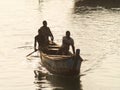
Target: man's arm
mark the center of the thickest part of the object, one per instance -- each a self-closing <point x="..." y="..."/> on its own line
<point x="50" y="34"/>
<point x="35" y="43"/>
<point x="73" y="48"/>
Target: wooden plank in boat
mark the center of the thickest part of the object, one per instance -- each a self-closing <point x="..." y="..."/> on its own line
<point x="50" y="49"/>
<point x="53" y="46"/>
<point x="57" y="57"/>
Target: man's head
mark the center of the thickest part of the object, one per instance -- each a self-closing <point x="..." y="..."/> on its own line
<point x="68" y="34"/>
<point x="44" y="23"/>
<point x="77" y="51"/>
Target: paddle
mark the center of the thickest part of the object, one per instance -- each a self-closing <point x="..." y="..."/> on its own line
<point x="30" y="53"/>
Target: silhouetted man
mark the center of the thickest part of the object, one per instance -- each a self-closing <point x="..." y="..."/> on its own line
<point x="43" y="37"/>
<point x="67" y="41"/>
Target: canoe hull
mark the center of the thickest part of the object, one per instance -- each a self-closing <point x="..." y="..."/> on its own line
<point x="63" y="66"/>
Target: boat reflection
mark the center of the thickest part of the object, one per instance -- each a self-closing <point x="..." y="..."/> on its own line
<point x="66" y="83"/>
<point x="59" y="83"/>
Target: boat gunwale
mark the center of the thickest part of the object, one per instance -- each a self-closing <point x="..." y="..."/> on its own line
<point x="57" y="57"/>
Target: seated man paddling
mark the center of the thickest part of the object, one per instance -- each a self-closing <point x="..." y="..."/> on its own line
<point x="43" y="38"/>
<point x="67" y="41"/>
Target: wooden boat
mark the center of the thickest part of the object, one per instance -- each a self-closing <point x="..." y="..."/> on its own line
<point x="65" y="65"/>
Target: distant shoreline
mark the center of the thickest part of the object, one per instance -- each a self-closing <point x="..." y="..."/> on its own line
<point x="95" y="3"/>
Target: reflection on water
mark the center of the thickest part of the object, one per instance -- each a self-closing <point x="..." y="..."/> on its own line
<point x="86" y="10"/>
<point x="88" y="6"/>
<point x="59" y="83"/>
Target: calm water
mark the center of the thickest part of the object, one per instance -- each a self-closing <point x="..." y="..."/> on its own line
<point x="96" y="32"/>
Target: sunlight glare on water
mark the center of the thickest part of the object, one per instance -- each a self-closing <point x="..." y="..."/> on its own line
<point x="95" y="31"/>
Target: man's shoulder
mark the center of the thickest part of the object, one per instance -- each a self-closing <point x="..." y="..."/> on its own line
<point x="36" y="36"/>
<point x="48" y="28"/>
<point x="43" y="28"/>
<point x="40" y="28"/>
<point x="64" y="36"/>
<point x="71" y="38"/>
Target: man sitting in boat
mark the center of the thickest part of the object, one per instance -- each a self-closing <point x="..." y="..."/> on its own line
<point x="43" y="37"/>
<point x="67" y="41"/>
